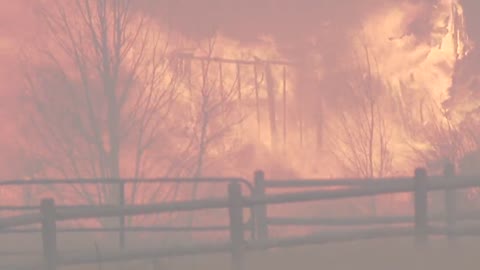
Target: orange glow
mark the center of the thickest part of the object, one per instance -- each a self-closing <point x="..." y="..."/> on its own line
<point x="314" y="94"/>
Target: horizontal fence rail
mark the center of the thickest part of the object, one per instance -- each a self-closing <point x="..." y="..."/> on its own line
<point x="346" y="182"/>
<point x="247" y="226"/>
<point x="291" y="197"/>
<point x="364" y="221"/>
<point x="122" y="198"/>
<point x="218" y="180"/>
<point x="422" y="224"/>
<point x="22" y="220"/>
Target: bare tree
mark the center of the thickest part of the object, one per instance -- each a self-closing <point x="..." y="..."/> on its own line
<point x="361" y="135"/>
<point x="363" y="145"/>
<point x="100" y="88"/>
<point x="445" y="140"/>
<point x="433" y="133"/>
<point x="440" y="140"/>
<point x="213" y="111"/>
<point x="207" y="113"/>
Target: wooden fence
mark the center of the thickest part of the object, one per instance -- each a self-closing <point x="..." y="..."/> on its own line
<point x="122" y="228"/>
<point x="420" y="185"/>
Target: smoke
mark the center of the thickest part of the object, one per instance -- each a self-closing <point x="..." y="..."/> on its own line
<point x="472" y="20"/>
<point x="406" y="39"/>
<point x="286" y="21"/>
<point x="248" y="21"/>
<point x="466" y="69"/>
<point x="301" y="28"/>
<point x="320" y="33"/>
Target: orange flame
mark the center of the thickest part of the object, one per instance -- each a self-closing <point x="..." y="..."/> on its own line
<point x="296" y="100"/>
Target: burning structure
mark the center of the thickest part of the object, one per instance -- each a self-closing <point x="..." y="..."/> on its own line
<point x="189" y="88"/>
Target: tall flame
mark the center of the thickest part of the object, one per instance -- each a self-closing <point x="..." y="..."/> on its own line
<point x="296" y="95"/>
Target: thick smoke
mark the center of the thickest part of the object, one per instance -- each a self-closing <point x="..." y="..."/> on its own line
<point x="298" y="28"/>
<point x="287" y="21"/>
<point x="329" y="29"/>
<point x="464" y="99"/>
<point x="471" y="9"/>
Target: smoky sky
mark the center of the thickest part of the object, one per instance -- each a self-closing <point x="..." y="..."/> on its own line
<point x="471" y="9"/>
<point x="247" y="20"/>
<point x="289" y="22"/>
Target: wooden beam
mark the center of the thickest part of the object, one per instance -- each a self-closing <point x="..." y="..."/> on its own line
<point x="235" y="61"/>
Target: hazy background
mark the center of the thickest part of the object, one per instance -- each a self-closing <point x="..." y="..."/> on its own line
<point x="365" y="89"/>
<point x="378" y="88"/>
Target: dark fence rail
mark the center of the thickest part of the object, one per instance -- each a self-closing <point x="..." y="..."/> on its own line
<point x="420" y="185"/>
<point x="87" y="181"/>
<point x="121" y="200"/>
<point x="365" y="221"/>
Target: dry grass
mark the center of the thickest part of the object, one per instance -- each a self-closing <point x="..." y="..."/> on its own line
<point x="371" y="255"/>
<point x="382" y="255"/>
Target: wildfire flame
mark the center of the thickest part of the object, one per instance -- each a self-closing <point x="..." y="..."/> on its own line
<point x="316" y="104"/>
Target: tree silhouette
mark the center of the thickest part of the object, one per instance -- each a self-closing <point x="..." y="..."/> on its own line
<point x="100" y="89"/>
<point x="362" y="134"/>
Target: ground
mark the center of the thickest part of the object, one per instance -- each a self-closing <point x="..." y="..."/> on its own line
<point x="382" y="255"/>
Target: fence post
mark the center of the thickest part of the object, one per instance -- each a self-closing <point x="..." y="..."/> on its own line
<point x="121" y="235"/>
<point x="260" y="210"/>
<point x="450" y="203"/>
<point x="421" y="207"/>
<point x="236" y="225"/>
<point x="49" y="233"/>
